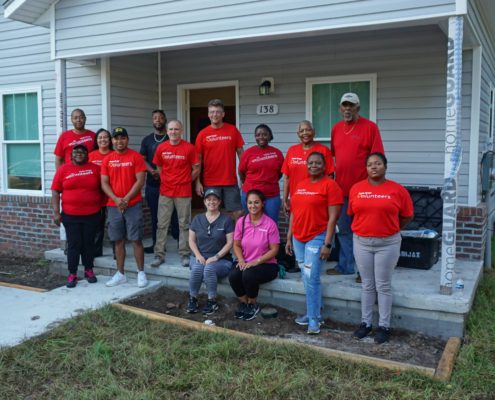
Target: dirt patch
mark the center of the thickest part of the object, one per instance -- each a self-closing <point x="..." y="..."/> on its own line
<point x="404" y="346"/>
<point x="29" y="272"/>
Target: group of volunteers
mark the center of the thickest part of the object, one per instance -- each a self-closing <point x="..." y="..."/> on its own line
<point x="338" y="192"/>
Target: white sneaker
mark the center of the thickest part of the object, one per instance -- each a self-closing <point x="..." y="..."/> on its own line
<point x="141" y="279"/>
<point x="117" y="279"/>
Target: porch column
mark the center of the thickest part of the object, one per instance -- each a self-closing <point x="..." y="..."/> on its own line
<point x="60" y="110"/>
<point x="453" y="153"/>
<point x="60" y="97"/>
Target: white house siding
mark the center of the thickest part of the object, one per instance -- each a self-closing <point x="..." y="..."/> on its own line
<point x="134" y="94"/>
<point x="107" y="27"/>
<point x="410" y="65"/>
<point x="25" y="63"/>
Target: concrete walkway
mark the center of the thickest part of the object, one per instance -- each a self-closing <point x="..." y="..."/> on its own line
<point x="25" y="314"/>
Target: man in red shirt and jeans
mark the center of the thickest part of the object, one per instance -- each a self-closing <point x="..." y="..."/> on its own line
<point x="122" y="178"/>
<point x="352" y="140"/>
<point x="217" y="146"/>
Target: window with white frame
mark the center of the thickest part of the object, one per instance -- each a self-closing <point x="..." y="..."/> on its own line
<point x="323" y="96"/>
<point x="20" y="138"/>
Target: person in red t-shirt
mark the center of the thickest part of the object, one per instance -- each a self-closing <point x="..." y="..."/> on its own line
<point x="102" y="148"/>
<point x="78" y="182"/>
<point x="315" y="207"/>
<point x="217" y="146"/>
<point x="260" y="168"/>
<point x="294" y="167"/>
<point x="381" y="208"/>
<point x="352" y="140"/>
<point x="77" y="135"/>
<point x="178" y="164"/>
<point x="122" y="178"/>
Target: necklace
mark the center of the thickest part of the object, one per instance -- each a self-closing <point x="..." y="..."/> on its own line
<point x="350" y="130"/>
<point x="161" y="140"/>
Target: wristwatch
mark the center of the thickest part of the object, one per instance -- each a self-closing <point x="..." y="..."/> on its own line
<point x="328" y="245"/>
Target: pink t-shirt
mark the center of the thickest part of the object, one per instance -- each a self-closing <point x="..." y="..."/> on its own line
<point x="256" y="239"/>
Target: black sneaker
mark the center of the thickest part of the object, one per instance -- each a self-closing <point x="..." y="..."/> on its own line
<point x="239" y="314"/>
<point x="251" y="312"/>
<point x="362" y="331"/>
<point x="382" y="335"/>
<point x="211" y="307"/>
<point x="71" y="281"/>
<point x="192" y="306"/>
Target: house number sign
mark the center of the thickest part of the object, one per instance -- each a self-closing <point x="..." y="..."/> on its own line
<point x="267" y="109"/>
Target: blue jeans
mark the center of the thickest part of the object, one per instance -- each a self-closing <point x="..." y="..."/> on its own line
<point x="272" y="206"/>
<point x="308" y="258"/>
<point x="346" y="264"/>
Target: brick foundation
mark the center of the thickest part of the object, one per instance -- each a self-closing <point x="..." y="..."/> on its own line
<point x="471" y="232"/>
<point x="27" y="228"/>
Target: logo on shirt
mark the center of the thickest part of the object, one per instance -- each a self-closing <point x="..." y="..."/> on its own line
<point x="216" y="138"/>
<point x="118" y="164"/>
<point x="298" y="161"/>
<point x="168" y="155"/>
<point x="82" y="140"/>
<point x="304" y="192"/>
<point x="84" y="172"/>
<point x="265" y="157"/>
<point x="370" y="195"/>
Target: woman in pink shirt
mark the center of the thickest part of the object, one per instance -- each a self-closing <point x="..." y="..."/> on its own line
<point x="256" y="243"/>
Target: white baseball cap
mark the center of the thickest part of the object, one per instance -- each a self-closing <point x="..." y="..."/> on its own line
<point x="351" y="98"/>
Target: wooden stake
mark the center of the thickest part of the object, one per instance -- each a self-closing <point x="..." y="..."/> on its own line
<point x="392" y="365"/>
<point x="449" y="355"/>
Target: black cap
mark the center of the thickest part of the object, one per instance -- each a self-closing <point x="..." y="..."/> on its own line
<point x="119" y="131"/>
<point x="214" y="192"/>
<point x="80" y="146"/>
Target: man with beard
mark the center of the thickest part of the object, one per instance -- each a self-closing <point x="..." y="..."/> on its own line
<point x="152" y="189"/>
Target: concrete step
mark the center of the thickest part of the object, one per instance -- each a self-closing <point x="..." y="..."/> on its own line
<point x="417" y="302"/>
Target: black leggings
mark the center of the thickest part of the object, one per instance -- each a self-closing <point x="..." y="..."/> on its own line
<point x="248" y="282"/>
<point x="80" y="231"/>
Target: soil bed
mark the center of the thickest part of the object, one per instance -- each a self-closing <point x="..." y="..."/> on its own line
<point x="404" y="346"/>
<point x="29" y="272"/>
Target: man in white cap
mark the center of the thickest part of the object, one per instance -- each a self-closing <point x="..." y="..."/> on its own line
<point x="352" y="140"/>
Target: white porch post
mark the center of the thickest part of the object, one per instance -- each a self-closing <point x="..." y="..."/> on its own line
<point x="453" y="153"/>
<point x="60" y="96"/>
<point x="60" y="109"/>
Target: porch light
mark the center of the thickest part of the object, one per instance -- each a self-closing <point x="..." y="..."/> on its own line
<point x="266" y="87"/>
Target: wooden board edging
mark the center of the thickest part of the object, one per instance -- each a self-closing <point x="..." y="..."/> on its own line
<point x="447" y="361"/>
<point x="392" y="365"/>
<point x="16" y="286"/>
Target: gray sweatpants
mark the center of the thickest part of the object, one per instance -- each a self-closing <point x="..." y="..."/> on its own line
<point x="209" y="274"/>
<point x="376" y="259"/>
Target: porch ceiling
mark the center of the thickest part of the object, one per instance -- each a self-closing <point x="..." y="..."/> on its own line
<point x="27" y="10"/>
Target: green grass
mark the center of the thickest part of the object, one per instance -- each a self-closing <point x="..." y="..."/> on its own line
<point x="112" y="354"/>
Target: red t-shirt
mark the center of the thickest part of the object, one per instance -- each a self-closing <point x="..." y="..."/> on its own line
<point x="176" y="162"/>
<point x="80" y="187"/>
<point x="121" y="168"/>
<point x="376" y="209"/>
<point x="351" y="144"/>
<point x="70" y="139"/>
<point x="295" y="163"/>
<point x="309" y="206"/>
<point x="97" y="158"/>
<point x="218" y="150"/>
<point x="262" y="168"/>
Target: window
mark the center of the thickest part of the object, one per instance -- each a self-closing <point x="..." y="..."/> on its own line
<point x="20" y="138"/>
<point x="491" y="113"/>
<point x="323" y="99"/>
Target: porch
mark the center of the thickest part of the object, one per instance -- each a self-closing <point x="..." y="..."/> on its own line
<point x="417" y="302"/>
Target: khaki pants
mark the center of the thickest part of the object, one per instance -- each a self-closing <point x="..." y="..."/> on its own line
<point x="165" y="208"/>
